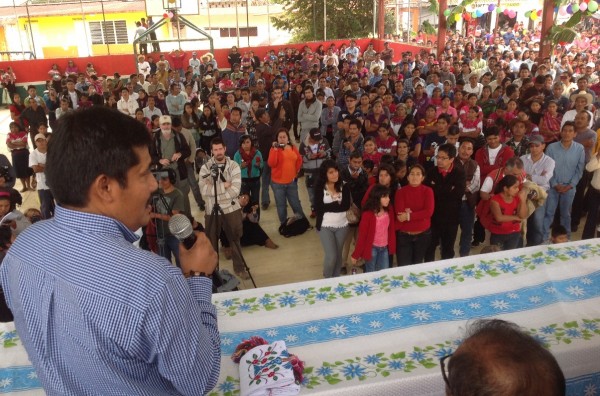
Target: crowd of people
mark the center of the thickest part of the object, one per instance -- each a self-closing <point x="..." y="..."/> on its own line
<point x="485" y="136"/>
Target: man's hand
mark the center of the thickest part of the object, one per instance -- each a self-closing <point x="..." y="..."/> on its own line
<point x="164" y="162"/>
<point x="227" y="185"/>
<point x="175" y="157"/>
<point x="201" y="257"/>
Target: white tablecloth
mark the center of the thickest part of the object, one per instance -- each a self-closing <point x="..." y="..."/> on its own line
<point x="383" y="333"/>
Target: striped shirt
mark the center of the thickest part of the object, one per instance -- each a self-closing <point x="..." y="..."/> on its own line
<point x="98" y="316"/>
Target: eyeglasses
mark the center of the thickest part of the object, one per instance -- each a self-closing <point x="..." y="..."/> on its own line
<point x="445" y="373"/>
<point x="442" y="158"/>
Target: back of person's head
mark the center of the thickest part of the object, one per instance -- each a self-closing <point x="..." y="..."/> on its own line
<point x="90" y="143"/>
<point x="497" y="358"/>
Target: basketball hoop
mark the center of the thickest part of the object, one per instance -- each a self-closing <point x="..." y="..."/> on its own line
<point x="171" y="5"/>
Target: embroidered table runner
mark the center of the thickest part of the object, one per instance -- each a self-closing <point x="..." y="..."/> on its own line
<point x="383" y="333"/>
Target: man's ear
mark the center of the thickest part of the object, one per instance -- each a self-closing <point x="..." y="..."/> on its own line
<point x="103" y="189"/>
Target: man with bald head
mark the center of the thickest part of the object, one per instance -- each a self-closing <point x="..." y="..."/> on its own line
<point x="498" y="358"/>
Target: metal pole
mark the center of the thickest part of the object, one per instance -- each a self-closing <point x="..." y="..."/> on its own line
<point x="374" y="18"/>
<point x="208" y="13"/>
<point x="104" y="24"/>
<point x="420" y="14"/>
<point x="324" y="20"/>
<point x="18" y="31"/>
<point x="87" y="41"/>
<point x="397" y="18"/>
<point x="32" y="47"/>
<point x="409" y="21"/>
<point x="248" y="22"/>
<point x="268" y="22"/>
<point x="314" y="10"/>
<point x="237" y="25"/>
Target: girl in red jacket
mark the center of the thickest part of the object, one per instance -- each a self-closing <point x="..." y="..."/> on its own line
<point x="376" y="231"/>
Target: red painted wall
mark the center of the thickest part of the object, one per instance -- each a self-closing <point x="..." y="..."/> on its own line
<point x="36" y="70"/>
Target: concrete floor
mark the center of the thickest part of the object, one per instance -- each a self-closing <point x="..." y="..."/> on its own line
<point x="297" y="259"/>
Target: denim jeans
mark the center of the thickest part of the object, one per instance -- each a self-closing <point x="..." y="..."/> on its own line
<point x="466" y="219"/>
<point x="169" y="245"/>
<point x="265" y="181"/>
<point x="193" y="183"/>
<point x="506" y="241"/>
<point x="380" y="259"/>
<point x="410" y="249"/>
<point x="332" y="240"/>
<point x="535" y="226"/>
<point x="285" y="193"/>
<point x="564" y="201"/>
<point x="46" y="203"/>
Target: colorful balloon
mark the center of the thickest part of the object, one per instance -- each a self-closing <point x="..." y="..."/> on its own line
<point x="527" y="14"/>
<point x="583" y="6"/>
<point x="491" y="7"/>
<point x="499" y="10"/>
<point x="512" y="14"/>
<point x="457" y="17"/>
<point x="575" y="7"/>
<point x="446" y="13"/>
<point x="533" y="16"/>
<point x="593" y="6"/>
<point x="562" y="10"/>
<point x="165" y="15"/>
<point x="570" y="9"/>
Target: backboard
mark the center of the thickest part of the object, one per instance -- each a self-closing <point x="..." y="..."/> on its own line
<point x="157" y="8"/>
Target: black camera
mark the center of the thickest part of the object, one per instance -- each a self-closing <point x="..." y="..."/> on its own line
<point x="215" y="170"/>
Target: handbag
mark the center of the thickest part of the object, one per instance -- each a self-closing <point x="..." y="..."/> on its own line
<point x="353" y="213"/>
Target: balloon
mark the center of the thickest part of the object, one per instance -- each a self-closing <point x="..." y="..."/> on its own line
<point x="583" y="6"/>
<point x="457" y="17"/>
<point x="165" y="15"/>
<point x="575" y="7"/>
<point x="506" y="11"/>
<point x="533" y="16"/>
<point x="562" y="10"/>
<point x="593" y="6"/>
<point x="512" y="14"/>
<point x="491" y="7"/>
<point x="170" y="14"/>
<point x="446" y="13"/>
<point x="478" y="14"/>
<point x="570" y="9"/>
<point x="527" y="14"/>
<point x="539" y="13"/>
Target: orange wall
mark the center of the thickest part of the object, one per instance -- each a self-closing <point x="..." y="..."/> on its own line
<point x="37" y="69"/>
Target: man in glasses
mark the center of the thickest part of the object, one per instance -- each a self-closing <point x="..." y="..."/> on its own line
<point x="498" y="358"/>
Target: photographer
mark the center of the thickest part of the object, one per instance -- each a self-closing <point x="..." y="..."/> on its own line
<point x="170" y="201"/>
<point x="227" y="175"/>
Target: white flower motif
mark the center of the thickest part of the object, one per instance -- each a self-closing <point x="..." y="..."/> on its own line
<point x="420" y="314"/>
<point x="355" y="319"/>
<point x="513" y="296"/>
<point x="226" y="341"/>
<point x="435" y="306"/>
<point x="338" y="329"/>
<point x="575" y="291"/>
<point x="312" y="329"/>
<point x="291" y="338"/>
<point x="550" y="290"/>
<point x="395" y="315"/>
<point x="32" y="375"/>
<point x="457" y="312"/>
<point x="586" y="281"/>
<point x="375" y="324"/>
<point x="590" y="390"/>
<point x="500" y="305"/>
<point x="272" y="332"/>
<point x="5" y="383"/>
<point x="474" y="305"/>
<point x="535" y="299"/>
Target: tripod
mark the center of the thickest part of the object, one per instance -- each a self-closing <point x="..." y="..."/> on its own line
<point x="216" y="214"/>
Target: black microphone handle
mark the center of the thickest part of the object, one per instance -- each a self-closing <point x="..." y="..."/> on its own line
<point x="189" y="241"/>
<point x="216" y="277"/>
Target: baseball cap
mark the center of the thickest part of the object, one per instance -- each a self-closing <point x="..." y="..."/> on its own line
<point x="591" y="64"/>
<point x="385" y="71"/>
<point x="260" y="81"/>
<point x="39" y="136"/>
<point x="536" y="139"/>
<point x="315" y="134"/>
<point x="165" y="119"/>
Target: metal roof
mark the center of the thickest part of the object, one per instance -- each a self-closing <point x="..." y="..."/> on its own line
<point x="39" y="8"/>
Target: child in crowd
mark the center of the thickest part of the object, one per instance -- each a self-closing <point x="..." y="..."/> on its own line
<point x="559" y="234"/>
<point x="371" y="153"/>
<point x="508" y="207"/>
<point x="376" y="231"/>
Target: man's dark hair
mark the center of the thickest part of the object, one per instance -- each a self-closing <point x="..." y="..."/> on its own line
<point x="90" y="143"/>
<point x="498" y="358"/>
<point x="492" y="131"/>
<point x="216" y="141"/>
<point x="558" y="230"/>
<point x="355" y="154"/>
<point x="356" y="122"/>
<point x="449" y="149"/>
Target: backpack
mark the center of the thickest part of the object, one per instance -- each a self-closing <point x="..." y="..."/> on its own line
<point x="294" y="226"/>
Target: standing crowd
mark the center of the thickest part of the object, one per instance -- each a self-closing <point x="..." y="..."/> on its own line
<point x="398" y="153"/>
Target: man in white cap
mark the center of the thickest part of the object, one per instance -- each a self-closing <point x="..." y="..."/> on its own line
<point x="589" y="73"/>
<point x="194" y="62"/>
<point x="581" y="102"/>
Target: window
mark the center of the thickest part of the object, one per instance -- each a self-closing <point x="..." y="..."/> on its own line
<point x="232" y="32"/>
<point x="109" y="32"/>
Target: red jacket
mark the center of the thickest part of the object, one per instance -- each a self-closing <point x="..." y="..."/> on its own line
<point x="483" y="160"/>
<point x="421" y="203"/>
<point x="366" y="234"/>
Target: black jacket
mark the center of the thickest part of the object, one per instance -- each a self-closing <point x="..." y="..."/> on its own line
<point x="181" y="146"/>
<point x="447" y="193"/>
<point x="335" y="207"/>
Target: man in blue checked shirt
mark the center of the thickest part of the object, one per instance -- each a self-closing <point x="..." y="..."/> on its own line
<point x="96" y="315"/>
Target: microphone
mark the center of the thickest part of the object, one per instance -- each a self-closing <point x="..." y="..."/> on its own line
<point x="181" y="228"/>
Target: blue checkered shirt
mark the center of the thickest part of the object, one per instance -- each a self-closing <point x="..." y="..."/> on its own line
<point x="98" y="316"/>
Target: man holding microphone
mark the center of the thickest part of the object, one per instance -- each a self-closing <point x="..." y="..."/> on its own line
<point x="96" y="315"/>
